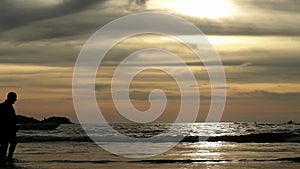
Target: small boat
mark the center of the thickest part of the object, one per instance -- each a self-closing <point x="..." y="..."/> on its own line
<point x="38" y="126"/>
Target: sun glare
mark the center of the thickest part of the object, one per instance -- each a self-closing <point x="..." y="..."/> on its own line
<point x="211" y="9"/>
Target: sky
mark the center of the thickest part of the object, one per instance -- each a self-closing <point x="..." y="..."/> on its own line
<point x="258" y="42"/>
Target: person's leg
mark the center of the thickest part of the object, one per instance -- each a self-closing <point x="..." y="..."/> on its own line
<point x="3" y="151"/>
<point x="12" y="147"/>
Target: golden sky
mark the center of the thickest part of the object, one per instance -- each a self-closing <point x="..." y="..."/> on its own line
<point x="257" y="40"/>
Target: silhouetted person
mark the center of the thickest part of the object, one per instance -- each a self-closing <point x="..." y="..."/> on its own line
<point x="8" y="128"/>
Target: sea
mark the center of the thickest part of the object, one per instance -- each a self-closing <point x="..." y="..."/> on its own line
<point x="225" y="145"/>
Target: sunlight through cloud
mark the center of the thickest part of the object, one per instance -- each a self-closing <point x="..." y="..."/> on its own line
<point x="211" y="9"/>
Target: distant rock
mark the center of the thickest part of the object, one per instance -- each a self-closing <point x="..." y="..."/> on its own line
<point x="57" y="120"/>
<point x="26" y="120"/>
<point x="52" y="120"/>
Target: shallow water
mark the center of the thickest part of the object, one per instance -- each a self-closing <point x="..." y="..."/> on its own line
<point x="72" y="155"/>
<point x="68" y="148"/>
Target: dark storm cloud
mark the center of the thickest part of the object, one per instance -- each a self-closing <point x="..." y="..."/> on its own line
<point x="13" y="15"/>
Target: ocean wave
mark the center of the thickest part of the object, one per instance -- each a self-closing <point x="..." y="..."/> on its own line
<point x="165" y="161"/>
<point x="25" y="139"/>
<point x="250" y="138"/>
<point x="290" y="159"/>
<point x="259" y="138"/>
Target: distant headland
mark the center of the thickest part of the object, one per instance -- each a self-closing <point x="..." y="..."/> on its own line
<point x="51" y="120"/>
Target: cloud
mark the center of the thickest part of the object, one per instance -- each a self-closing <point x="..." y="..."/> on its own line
<point x="136" y="4"/>
<point x="259" y="95"/>
<point x="268" y="91"/>
<point x="265" y="25"/>
<point x="14" y="15"/>
<point x="290" y="97"/>
<point x="81" y="18"/>
<point x="255" y="17"/>
<point x="290" y="6"/>
<point x="102" y="86"/>
<point x="70" y="18"/>
<point x="57" y="53"/>
<point x="247" y="64"/>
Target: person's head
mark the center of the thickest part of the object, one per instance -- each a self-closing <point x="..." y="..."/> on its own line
<point x="12" y="97"/>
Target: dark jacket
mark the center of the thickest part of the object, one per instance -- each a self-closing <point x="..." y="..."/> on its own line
<point x="7" y="121"/>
